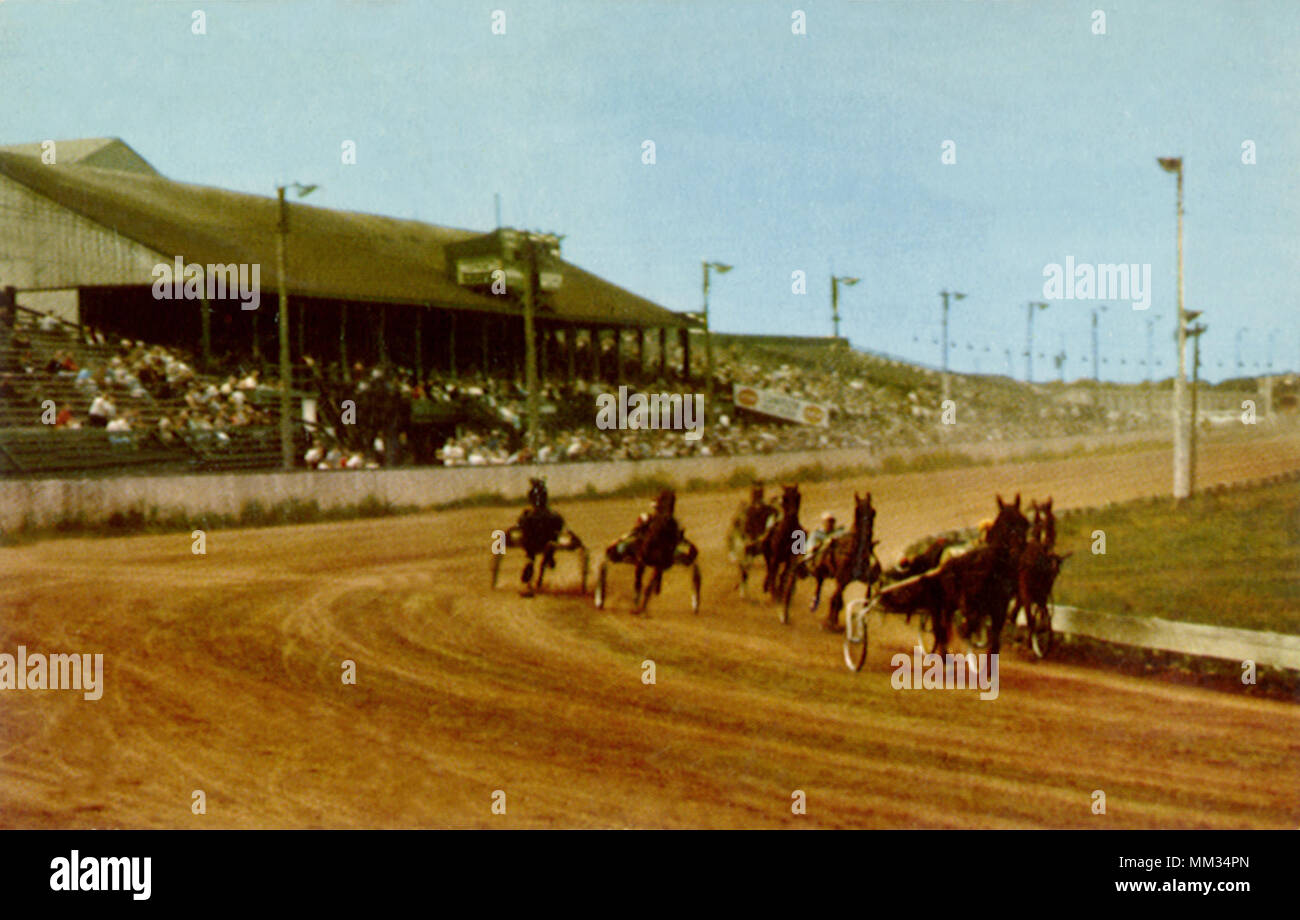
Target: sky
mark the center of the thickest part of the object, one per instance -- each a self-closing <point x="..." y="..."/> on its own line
<point x="774" y="151"/>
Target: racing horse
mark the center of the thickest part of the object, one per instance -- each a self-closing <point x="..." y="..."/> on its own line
<point x="1039" y="566"/>
<point x="539" y="532"/>
<point x="747" y="529"/>
<point x="847" y="558"/>
<point x="657" y="543"/>
<point x="777" y="544"/>
<point x="981" y="582"/>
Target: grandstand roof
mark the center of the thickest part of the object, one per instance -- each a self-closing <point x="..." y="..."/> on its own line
<point x="103" y="152"/>
<point x="343" y="255"/>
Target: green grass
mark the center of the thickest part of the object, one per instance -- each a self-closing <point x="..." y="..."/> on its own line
<point x="1226" y="559"/>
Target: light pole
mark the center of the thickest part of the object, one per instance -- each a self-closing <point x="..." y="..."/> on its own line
<point x="836" y="281"/>
<point x="955" y="296"/>
<point x="721" y="269"/>
<point x="532" y="247"/>
<point x="1182" y="458"/>
<point x="1096" y="375"/>
<point x="286" y="424"/>
<point x="1029" y="340"/>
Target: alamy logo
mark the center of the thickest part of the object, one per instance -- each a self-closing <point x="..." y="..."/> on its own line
<point x="104" y="873"/>
<point x="656" y="411"/>
<point x="184" y="281"/>
<point x="929" y="671"/>
<point x="1098" y="282"/>
<point x="53" y="672"/>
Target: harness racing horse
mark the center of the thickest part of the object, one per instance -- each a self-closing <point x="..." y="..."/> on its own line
<point x="777" y="544"/>
<point x="539" y="532"/>
<point x="847" y="558"/>
<point x="747" y="529"/>
<point x="657" y="543"/>
<point x="981" y="582"/>
<point x="1038" y="569"/>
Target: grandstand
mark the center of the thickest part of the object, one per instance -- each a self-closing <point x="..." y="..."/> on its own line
<point x="98" y="374"/>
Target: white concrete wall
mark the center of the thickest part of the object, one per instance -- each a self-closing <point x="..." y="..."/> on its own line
<point x="45" y="501"/>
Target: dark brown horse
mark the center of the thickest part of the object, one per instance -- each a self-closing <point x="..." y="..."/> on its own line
<point x="1039" y="566"/>
<point x="981" y="582"/>
<point x="660" y="543"/>
<point x="778" y="543"/>
<point x="747" y="529"/>
<point x="847" y="558"/>
<point x="536" y="532"/>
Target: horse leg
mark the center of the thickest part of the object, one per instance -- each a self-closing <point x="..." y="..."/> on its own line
<point x="939" y="620"/>
<point x="636" y="587"/>
<point x="548" y="562"/>
<point x="527" y="575"/>
<point x="817" y="595"/>
<point x="832" y="621"/>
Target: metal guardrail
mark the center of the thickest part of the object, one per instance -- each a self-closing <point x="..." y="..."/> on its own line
<point x="1268" y="648"/>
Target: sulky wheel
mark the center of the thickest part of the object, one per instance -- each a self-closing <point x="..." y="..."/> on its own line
<point x="600" y="585"/>
<point x="695" y="588"/>
<point x="496" y="567"/>
<point x="855" y="637"/>
<point x="1040" y="630"/>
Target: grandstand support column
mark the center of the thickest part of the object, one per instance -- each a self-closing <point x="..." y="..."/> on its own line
<point x="419" y="344"/>
<point x="685" y="335"/>
<point x="302" y="330"/>
<point x="383" y="341"/>
<point x="451" y="342"/>
<point x="343" y="342"/>
<point x="205" y="319"/>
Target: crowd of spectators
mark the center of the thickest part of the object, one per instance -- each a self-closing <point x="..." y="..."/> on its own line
<point x="121" y="385"/>
<point x="399" y="418"/>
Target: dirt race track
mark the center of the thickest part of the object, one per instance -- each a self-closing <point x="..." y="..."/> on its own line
<point x="222" y="674"/>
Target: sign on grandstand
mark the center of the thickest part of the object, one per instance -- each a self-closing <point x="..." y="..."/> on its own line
<point x="779" y="405"/>
<point x="476" y="260"/>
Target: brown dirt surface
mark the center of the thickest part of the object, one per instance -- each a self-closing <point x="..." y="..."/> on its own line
<point x="222" y="673"/>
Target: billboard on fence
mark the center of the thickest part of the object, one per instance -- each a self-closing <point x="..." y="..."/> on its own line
<point x="779" y="405"/>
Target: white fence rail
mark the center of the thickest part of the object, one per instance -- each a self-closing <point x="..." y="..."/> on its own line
<point x="1267" y="648"/>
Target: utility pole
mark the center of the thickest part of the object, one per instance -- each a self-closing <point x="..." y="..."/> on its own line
<point x="1096" y="350"/>
<point x="1195" y="332"/>
<point x="955" y="296"/>
<point x="835" y="300"/>
<point x="286" y="369"/>
<point x="1182" y="456"/>
<point x="721" y="269"/>
<point x="286" y="429"/>
<point x="530" y="340"/>
<point x="1029" y="340"/>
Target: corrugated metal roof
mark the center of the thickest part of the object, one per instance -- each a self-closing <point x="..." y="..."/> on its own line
<point x="103" y="152"/>
<point x="343" y="255"/>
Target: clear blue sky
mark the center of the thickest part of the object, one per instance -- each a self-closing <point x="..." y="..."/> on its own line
<point x="775" y="152"/>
